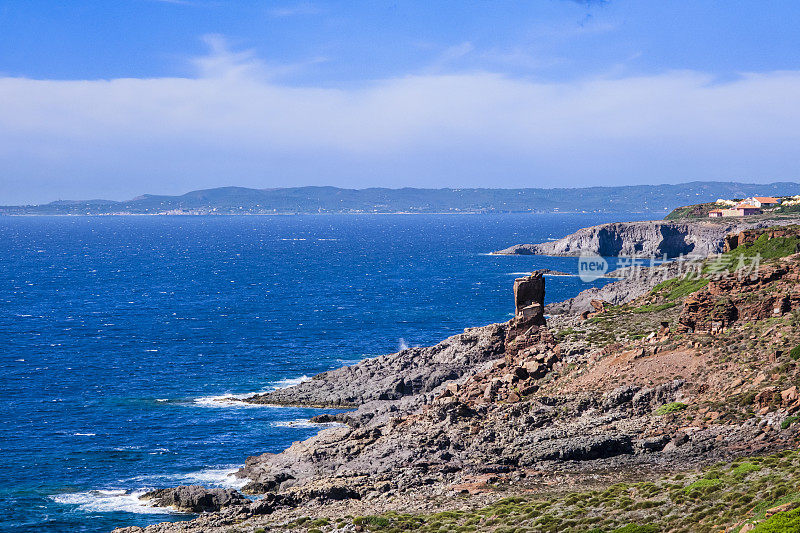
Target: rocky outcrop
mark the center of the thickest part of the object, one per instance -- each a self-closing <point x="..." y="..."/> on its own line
<point x="194" y="498"/>
<point x="391" y="377"/>
<point x="648" y="238"/>
<point x="529" y="298"/>
<point x="770" y="292"/>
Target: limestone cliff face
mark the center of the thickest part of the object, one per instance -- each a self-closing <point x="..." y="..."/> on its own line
<point x="644" y="238"/>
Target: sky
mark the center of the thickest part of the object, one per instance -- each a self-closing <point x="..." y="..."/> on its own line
<point x="111" y="100"/>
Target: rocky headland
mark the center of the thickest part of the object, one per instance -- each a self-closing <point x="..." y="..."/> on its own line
<point x="592" y="420"/>
<point x="649" y="238"/>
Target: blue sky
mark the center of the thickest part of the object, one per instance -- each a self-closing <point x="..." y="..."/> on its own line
<point x="114" y="99"/>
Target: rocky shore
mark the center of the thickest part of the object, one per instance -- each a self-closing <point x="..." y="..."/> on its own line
<point x="656" y="379"/>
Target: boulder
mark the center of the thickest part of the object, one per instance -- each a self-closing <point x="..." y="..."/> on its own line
<point x="194" y="498"/>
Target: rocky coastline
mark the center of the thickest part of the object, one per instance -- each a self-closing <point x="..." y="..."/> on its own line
<point x="640" y="380"/>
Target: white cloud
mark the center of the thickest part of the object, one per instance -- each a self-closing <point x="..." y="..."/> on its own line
<point x="232" y="125"/>
<point x="303" y="8"/>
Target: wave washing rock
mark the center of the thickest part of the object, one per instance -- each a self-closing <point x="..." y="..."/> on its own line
<point x="646" y="238"/>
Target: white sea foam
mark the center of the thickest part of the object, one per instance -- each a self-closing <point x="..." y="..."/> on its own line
<point x="209" y="477"/>
<point x="225" y="400"/>
<point x="85" y="434"/>
<point x="235" y="400"/>
<point x="304" y="423"/>
<point x="108" y="501"/>
<point x="213" y="477"/>
<point x="289" y="382"/>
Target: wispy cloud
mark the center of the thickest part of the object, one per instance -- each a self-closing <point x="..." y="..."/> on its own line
<point x="222" y="62"/>
<point x="450" y="55"/>
<point x="177" y="2"/>
<point x="303" y="8"/>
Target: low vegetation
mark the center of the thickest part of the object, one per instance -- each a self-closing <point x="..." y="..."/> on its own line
<point x="692" y="211"/>
<point x="678" y="288"/>
<point x="763" y="491"/>
<point x="672" y="407"/>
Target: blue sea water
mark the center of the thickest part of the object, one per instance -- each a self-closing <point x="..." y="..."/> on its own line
<point x="119" y="334"/>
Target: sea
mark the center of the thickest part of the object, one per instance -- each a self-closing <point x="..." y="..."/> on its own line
<point x="124" y="340"/>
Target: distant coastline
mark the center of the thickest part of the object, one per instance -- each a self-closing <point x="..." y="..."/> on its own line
<point x="656" y="199"/>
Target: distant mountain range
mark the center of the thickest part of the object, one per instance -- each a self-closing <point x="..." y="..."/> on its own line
<point x="313" y="200"/>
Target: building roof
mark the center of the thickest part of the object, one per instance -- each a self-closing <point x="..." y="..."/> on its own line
<point x="745" y="206"/>
<point x="766" y="199"/>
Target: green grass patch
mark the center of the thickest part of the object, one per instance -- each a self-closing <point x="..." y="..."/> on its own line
<point x="672" y="407"/>
<point x="677" y="288"/>
<point x="745" y="468"/>
<point x="703" y="484"/>
<point x="653" y="308"/>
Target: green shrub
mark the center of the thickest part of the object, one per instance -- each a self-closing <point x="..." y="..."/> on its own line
<point x="371" y="520"/>
<point x="704" y="483"/>
<point x="744" y="469"/>
<point x="794" y="353"/>
<point x="789" y="421"/>
<point x="672" y="407"/>
<point x="780" y="523"/>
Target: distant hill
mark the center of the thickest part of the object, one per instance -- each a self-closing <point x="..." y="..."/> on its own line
<point x="659" y="199"/>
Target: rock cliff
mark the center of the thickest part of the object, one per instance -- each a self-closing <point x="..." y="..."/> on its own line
<point x="647" y="238"/>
